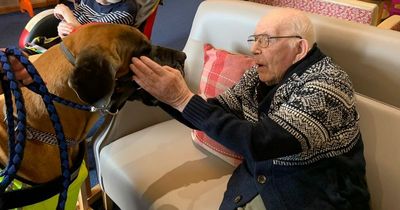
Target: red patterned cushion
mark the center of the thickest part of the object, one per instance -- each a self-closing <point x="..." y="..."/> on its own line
<point x="222" y="70"/>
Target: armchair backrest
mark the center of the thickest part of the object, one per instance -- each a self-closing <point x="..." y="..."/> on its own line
<point x="352" y="10"/>
<point x="380" y="131"/>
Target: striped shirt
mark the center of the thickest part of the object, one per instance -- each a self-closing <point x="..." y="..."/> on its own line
<point x="89" y="11"/>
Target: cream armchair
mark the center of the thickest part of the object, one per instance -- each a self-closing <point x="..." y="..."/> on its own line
<point x="146" y="160"/>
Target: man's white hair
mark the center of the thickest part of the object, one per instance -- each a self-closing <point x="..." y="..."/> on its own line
<point x="294" y="22"/>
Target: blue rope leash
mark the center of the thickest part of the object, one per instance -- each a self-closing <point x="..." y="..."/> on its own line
<point x="17" y="145"/>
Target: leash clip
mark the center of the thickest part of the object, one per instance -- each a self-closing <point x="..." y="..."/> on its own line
<point x="103" y="110"/>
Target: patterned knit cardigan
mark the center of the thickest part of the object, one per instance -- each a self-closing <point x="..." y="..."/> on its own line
<point x="317" y="108"/>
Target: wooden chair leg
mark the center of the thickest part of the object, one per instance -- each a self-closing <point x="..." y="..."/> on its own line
<point x="107" y="202"/>
<point x="87" y="195"/>
<point x="85" y="192"/>
<point x="96" y="194"/>
<point x="82" y="199"/>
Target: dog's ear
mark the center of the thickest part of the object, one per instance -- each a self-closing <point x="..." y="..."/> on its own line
<point x="93" y="76"/>
<point x="170" y="57"/>
<point x="163" y="56"/>
<point x="130" y="44"/>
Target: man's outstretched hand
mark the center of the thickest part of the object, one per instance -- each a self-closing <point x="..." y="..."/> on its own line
<point x="163" y="82"/>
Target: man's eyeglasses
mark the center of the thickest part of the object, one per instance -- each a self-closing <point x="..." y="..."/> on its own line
<point x="263" y="40"/>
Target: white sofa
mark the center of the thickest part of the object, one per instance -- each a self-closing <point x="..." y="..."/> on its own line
<point x="146" y="160"/>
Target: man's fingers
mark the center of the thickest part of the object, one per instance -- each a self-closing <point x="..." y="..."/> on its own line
<point x="155" y="67"/>
<point x="139" y="82"/>
<point x="143" y="70"/>
<point x="143" y="84"/>
<point x="138" y="68"/>
<point x="172" y="70"/>
<point x="169" y="68"/>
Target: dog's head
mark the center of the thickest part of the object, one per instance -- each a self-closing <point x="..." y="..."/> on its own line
<point x="102" y="76"/>
<point x="130" y="90"/>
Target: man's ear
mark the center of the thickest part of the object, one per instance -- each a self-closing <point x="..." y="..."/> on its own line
<point x="302" y="50"/>
<point x="93" y="75"/>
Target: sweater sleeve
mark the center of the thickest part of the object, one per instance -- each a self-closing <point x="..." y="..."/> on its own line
<point x="309" y="119"/>
<point x="262" y="140"/>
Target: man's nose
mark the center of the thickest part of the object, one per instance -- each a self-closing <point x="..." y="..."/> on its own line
<point x="255" y="48"/>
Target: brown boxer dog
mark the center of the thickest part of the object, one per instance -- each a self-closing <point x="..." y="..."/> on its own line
<point x="98" y="73"/>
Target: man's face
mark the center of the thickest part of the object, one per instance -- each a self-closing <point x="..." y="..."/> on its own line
<point x="273" y="61"/>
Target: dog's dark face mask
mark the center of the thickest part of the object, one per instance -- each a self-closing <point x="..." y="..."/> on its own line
<point x="101" y="76"/>
<point x="93" y="77"/>
<point x="127" y="89"/>
<point x="95" y="82"/>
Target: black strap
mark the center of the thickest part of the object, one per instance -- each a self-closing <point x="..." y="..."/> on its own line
<point x="40" y="192"/>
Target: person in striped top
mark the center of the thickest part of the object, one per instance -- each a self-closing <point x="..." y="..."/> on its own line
<point x="89" y="11"/>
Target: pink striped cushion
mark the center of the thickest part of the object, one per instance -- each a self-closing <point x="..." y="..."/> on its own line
<point x="222" y="70"/>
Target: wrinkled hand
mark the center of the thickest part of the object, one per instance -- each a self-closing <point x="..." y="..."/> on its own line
<point x="20" y="72"/>
<point x="163" y="82"/>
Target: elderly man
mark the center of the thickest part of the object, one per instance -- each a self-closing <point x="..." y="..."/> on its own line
<point x="292" y="118"/>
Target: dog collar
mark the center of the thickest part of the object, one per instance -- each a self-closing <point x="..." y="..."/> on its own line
<point x="67" y="53"/>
